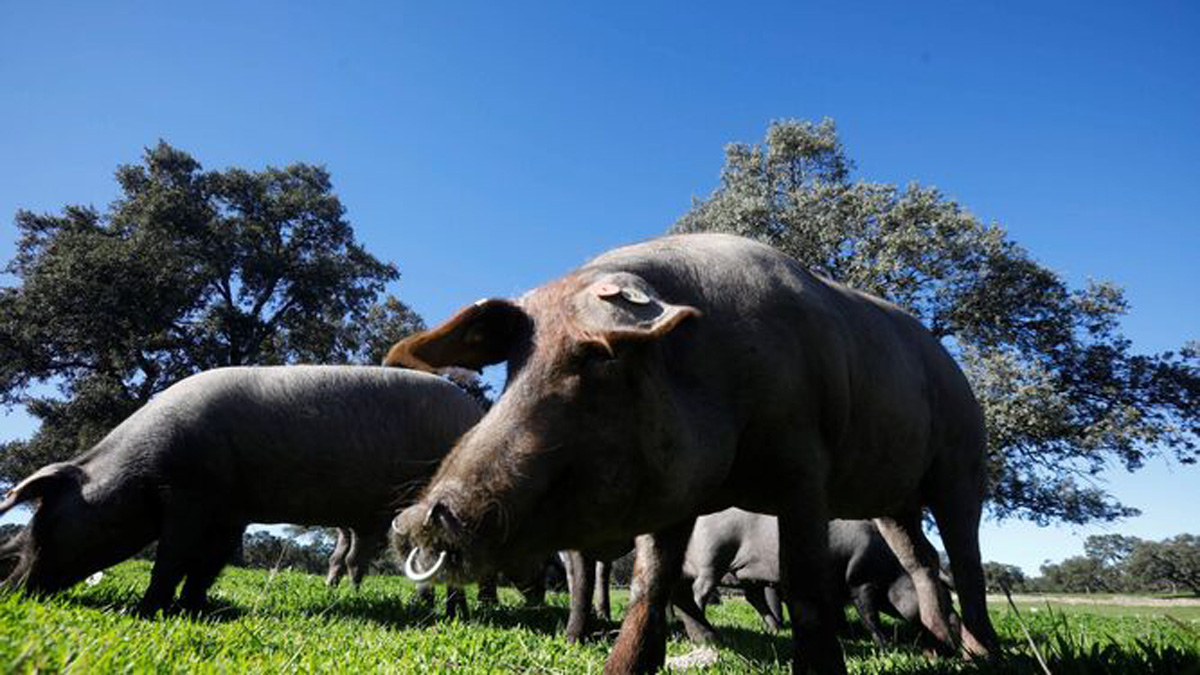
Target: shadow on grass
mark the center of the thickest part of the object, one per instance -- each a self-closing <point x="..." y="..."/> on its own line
<point x="400" y="612"/>
<point x="217" y="610"/>
<point x="1065" y="653"/>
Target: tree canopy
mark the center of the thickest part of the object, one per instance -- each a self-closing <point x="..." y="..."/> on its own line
<point x="187" y="270"/>
<point x="1064" y="394"/>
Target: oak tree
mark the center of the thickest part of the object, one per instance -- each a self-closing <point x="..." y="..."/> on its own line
<point x="187" y="270"/>
<point x="1064" y="393"/>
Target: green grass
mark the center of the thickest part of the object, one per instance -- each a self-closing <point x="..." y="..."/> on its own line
<point x="291" y="623"/>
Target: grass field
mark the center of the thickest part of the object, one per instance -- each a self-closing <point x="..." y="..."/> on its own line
<point x="290" y="622"/>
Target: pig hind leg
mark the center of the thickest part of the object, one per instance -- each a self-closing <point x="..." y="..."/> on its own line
<point x="918" y="557"/>
<point x="865" y="597"/>
<point x="699" y="630"/>
<point x="337" y="560"/>
<point x="957" y="515"/>
<point x="756" y="595"/>
<point x="363" y="549"/>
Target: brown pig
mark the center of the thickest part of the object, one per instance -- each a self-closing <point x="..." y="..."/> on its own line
<point x="688" y="374"/>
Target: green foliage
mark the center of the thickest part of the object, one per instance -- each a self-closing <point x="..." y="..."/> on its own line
<point x="263" y="550"/>
<point x="1168" y="563"/>
<point x="1062" y="391"/>
<point x="999" y="577"/>
<point x="187" y="270"/>
<point x="1080" y="574"/>
<point x="289" y="622"/>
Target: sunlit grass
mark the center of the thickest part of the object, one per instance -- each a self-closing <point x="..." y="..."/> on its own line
<point x="290" y="622"/>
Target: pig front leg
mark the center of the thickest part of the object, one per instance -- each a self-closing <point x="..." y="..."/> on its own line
<point x="603" y="577"/>
<point x="204" y="569"/>
<point x="580" y="583"/>
<point x="804" y="552"/>
<point x="198" y="538"/>
<point x="489" y="594"/>
<point x="642" y="644"/>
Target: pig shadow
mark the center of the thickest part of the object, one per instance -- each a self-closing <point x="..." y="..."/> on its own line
<point x="217" y="610"/>
<point x="406" y="612"/>
<point x="763" y="650"/>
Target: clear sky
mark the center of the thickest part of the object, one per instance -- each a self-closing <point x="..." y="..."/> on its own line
<point x="487" y="147"/>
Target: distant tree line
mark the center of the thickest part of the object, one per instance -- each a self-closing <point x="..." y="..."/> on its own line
<point x="1111" y="563"/>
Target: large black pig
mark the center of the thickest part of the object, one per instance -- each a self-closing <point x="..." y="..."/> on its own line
<point x="688" y="374"/>
<point x="315" y="445"/>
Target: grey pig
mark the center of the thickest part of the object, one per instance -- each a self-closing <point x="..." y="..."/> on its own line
<point x="339" y="446"/>
<point x="743" y="548"/>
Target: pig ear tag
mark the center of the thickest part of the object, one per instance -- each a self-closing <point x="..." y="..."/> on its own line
<point x="609" y="291"/>
<point x="635" y="296"/>
<point x="606" y="290"/>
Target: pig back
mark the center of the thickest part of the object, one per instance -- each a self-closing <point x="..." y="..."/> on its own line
<point x="316" y="445"/>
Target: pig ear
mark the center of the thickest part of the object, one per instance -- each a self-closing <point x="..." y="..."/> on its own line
<point x="479" y="335"/>
<point x="44" y="482"/>
<point x="667" y="321"/>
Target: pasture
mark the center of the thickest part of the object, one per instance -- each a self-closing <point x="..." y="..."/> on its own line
<point x="289" y="622"/>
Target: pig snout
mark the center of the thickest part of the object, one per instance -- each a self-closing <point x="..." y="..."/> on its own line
<point x="429" y="534"/>
<point x="430" y="524"/>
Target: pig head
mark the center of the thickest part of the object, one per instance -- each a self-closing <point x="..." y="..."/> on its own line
<point x="75" y="529"/>
<point x="551" y="467"/>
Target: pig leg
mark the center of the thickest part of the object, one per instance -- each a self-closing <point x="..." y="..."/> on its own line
<point x="918" y="557"/>
<point x="363" y="549"/>
<point x="771" y="595"/>
<point x="337" y="560"/>
<point x="488" y="594"/>
<point x="533" y="589"/>
<point x="184" y="525"/>
<point x="456" y="603"/>
<point x="864" y="602"/>
<point x="757" y="597"/>
<point x="641" y="646"/>
<point x="603" y="604"/>
<point x="426" y="594"/>
<point x="957" y="516"/>
<point x="699" y="630"/>
<point x="579" y="574"/>
<point x="207" y="565"/>
<point x="804" y="552"/>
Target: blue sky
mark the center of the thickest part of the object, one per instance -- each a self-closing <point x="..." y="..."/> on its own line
<point x="488" y="147"/>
